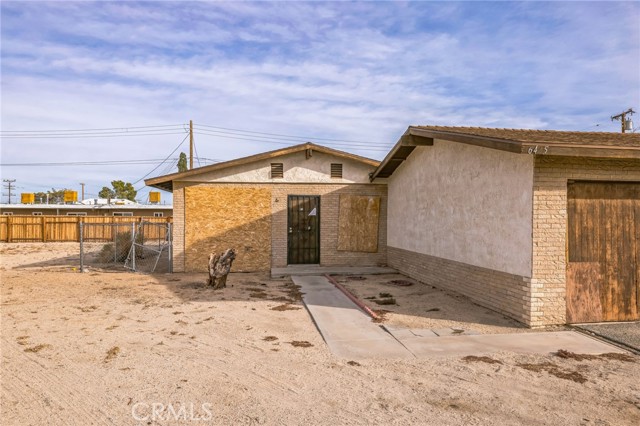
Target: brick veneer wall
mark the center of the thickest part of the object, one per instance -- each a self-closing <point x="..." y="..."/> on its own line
<point x="329" y="210"/>
<point x="502" y="292"/>
<point x="549" y="275"/>
<point x="178" y="228"/>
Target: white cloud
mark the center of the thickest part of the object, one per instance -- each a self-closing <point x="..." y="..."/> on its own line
<point x="356" y="71"/>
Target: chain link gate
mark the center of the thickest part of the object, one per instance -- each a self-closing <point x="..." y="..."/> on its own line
<point x="139" y="246"/>
<point x="151" y="248"/>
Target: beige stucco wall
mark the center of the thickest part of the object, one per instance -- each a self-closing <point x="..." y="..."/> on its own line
<point x="464" y="203"/>
<point x="297" y="169"/>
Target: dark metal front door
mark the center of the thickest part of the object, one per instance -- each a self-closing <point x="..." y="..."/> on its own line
<point x="303" y="241"/>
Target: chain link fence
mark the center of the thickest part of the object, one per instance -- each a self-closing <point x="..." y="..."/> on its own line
<point x="151" y="248"/>
<point x="140" y="246"/>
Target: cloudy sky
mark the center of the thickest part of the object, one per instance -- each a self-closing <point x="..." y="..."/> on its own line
<point x="113" y="85"/>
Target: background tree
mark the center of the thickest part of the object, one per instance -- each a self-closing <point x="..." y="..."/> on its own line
<point x="182" y="162"/>
<point x="107" y="192"/>
<point x="119" y="189"/>
<point x="56" y="196"/>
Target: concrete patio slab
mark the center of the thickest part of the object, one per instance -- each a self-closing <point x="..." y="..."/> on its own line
<point x="448" y="331"/>
<point x="526" y="343"/>
<point x="350" y="333"/>
<point x="403" y="333"/>
<point x="307" y="270"/>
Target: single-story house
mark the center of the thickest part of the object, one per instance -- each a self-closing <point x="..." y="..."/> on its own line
<point x="543" y="226"/>
<point x="304" y="204"/>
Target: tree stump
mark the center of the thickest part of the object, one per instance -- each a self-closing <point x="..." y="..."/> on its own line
<point x="219" y="267"/>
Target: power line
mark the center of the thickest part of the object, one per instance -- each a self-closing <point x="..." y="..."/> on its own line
<point x="122" y="129"/>
<point x="173" y="129"/>
<point x="88" y="135"/>
<point x="590" y="127"/>
<point x="195" y="149"/>
<point x="289" y="136"/>
<point x="168" y="156"/>
<point x="85" y="163"/>
<point x="103" y="163"/>
<point x="278" y="142"/>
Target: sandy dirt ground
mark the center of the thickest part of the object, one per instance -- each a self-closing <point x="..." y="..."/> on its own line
<point x="405" y="302"/>
<point x="125" y="349"/>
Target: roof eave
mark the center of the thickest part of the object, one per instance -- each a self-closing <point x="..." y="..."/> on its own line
<point x="416" y="136"/>
<point x="400" y="151"/>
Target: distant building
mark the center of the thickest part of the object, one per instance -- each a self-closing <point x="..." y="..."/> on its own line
<point x="91" y="207"/>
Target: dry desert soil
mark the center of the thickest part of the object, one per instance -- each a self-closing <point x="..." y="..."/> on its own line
<point x="119" y="348"/>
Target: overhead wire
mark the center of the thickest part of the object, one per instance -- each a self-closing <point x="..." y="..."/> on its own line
<point x="85" y="163"/>
<point x="174" y="129"/>
<point x="590" y="127"/>
<point x="277" y="142"/>
<point x="87" y="130"/>
<point x="168" y="156"/>
<point x="285" y="136"/>
<point x="91" y="133"/>
<point x="88" y="135"/>
<point x="202" y="129"/>
<point x="195" y="148"/>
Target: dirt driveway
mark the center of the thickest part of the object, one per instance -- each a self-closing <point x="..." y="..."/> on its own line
<point x="626" y="334"/>
<point x="122" y="348"/>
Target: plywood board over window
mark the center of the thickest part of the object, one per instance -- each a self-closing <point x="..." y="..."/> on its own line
<point x="218" y="218"/>
<point x="358" y="223"/>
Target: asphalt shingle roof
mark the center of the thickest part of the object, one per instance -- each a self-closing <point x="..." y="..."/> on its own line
<point x="546" y="137"/>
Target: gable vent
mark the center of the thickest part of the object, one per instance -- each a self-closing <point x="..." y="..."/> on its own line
<point x="277" y="171"/>
<point x="336" y="170"/>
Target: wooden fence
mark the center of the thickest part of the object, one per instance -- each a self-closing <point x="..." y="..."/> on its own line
<point x="63" y="228"/>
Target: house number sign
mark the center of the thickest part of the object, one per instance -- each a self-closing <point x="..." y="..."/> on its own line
<point x="534" y="149"/>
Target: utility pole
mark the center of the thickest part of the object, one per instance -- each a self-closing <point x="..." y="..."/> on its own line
<point x="190" y="144"/>
<point x="9" y="186"/>
<point x="627" y="124"/>
<point x="82" y="184"/>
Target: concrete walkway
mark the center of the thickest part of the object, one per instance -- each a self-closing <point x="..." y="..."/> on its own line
<point x="350" y="333"/>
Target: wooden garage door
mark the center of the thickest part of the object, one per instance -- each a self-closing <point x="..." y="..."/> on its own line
<point x="603" y="277"/>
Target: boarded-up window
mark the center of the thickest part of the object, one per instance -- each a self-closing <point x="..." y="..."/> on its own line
<point x="219" y="217"/>
<point x="336" y="170"/>
<point x="277" y="171"/>
<point x="358" y="223"/>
